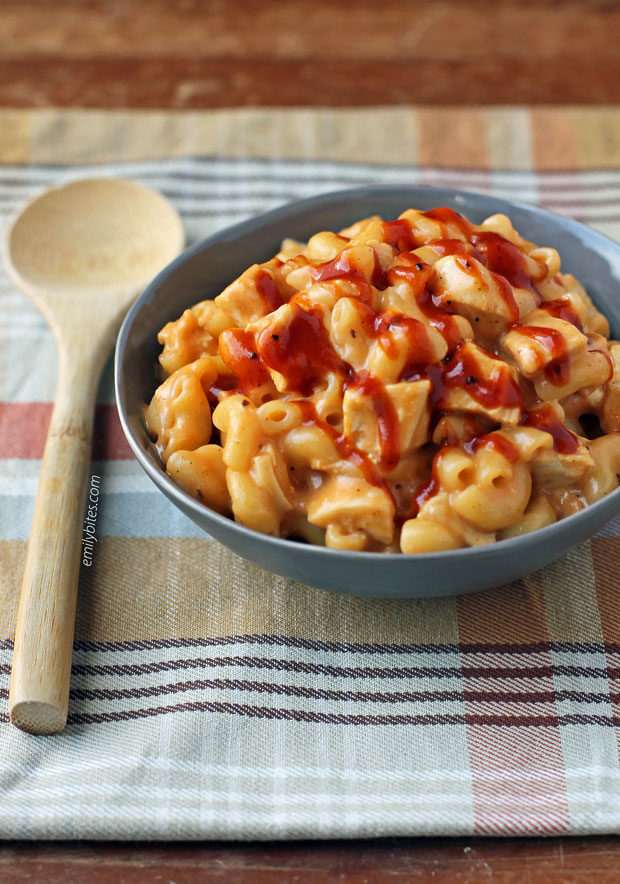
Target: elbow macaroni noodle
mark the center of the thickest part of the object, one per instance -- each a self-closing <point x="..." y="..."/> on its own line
<point x="414" y="385"/>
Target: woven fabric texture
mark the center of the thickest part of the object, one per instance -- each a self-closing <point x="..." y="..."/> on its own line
<point x="211" y="699"/>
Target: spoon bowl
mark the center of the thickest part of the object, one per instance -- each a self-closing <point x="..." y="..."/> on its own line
<point x="81" y="252"/>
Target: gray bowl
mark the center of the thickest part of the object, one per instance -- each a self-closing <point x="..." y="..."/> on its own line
<point x="205" y="269"/>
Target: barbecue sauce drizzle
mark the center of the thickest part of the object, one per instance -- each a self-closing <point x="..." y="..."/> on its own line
<point x="301" y="352"/>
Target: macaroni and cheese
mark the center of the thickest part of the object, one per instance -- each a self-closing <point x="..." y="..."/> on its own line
<point x="414" y="385"/>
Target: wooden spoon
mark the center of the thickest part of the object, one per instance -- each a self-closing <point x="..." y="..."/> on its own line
<point x="81" y="252"/>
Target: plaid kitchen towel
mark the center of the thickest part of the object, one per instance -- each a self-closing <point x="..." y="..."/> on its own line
<point x="211" y="699"/>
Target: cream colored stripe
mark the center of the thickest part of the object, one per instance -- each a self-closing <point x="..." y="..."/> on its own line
<point x="146" y="588"/>
<point x="570" y="597"/>
<point x="85" y="136"/>
<point x="577" y="137"/>
<point x="509" y="138"/>
<point x="598" y="137"/>
<point x="606" y="559"/>
<point x="384" y="134"/>
<point x="12" y="559"/>
<point x="15" y="135"/>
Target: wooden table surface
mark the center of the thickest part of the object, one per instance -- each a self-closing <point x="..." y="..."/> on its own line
<point x="214" y="53"/>
<point x="191" y="54"/>
<point x="386" y="861"/>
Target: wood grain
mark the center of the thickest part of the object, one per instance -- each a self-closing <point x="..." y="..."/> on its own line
<point x="208" y="53"/>
<point x="387" y="861"/>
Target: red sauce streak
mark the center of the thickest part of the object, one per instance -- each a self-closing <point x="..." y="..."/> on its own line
<point x="425" y="492"/>
<point x="408" y="266"/>
<point x="300" y="350"/>
<point x="448" y="216"/>
<point x="607" y="357"/>
<point x="340" y="266"/>
<point x="562" y="308"/>
<point x="496" y="442"/>
<point x="473" y="270"/>
<point x="268" y="290"/>
<point x="411" y="268"/>
<point x="367" y="316"/>
<point x="500" y="390"/>
<point x="399" y="235"/>
<point x="415" y="333"/>
<point x="441" y="319"/>
<point x="379" y="277"/>
<point x="448" y="327"/>
<point x="504" y="258"/>
<point x="346" y="449"/>
<point x="444" y="247"/>
<point x="557" y="369"/>
<point x="432" y="373"/>
<point x="387" y="419"/>
<point x="344" y="267"/>
<point x="237" y="349"/>
<point x="390" y="327"/>
<point x="545" y="418"/>
<point x="462" y="370"/>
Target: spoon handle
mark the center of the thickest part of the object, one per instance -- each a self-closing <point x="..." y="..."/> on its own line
<point x="39" y="690"/>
